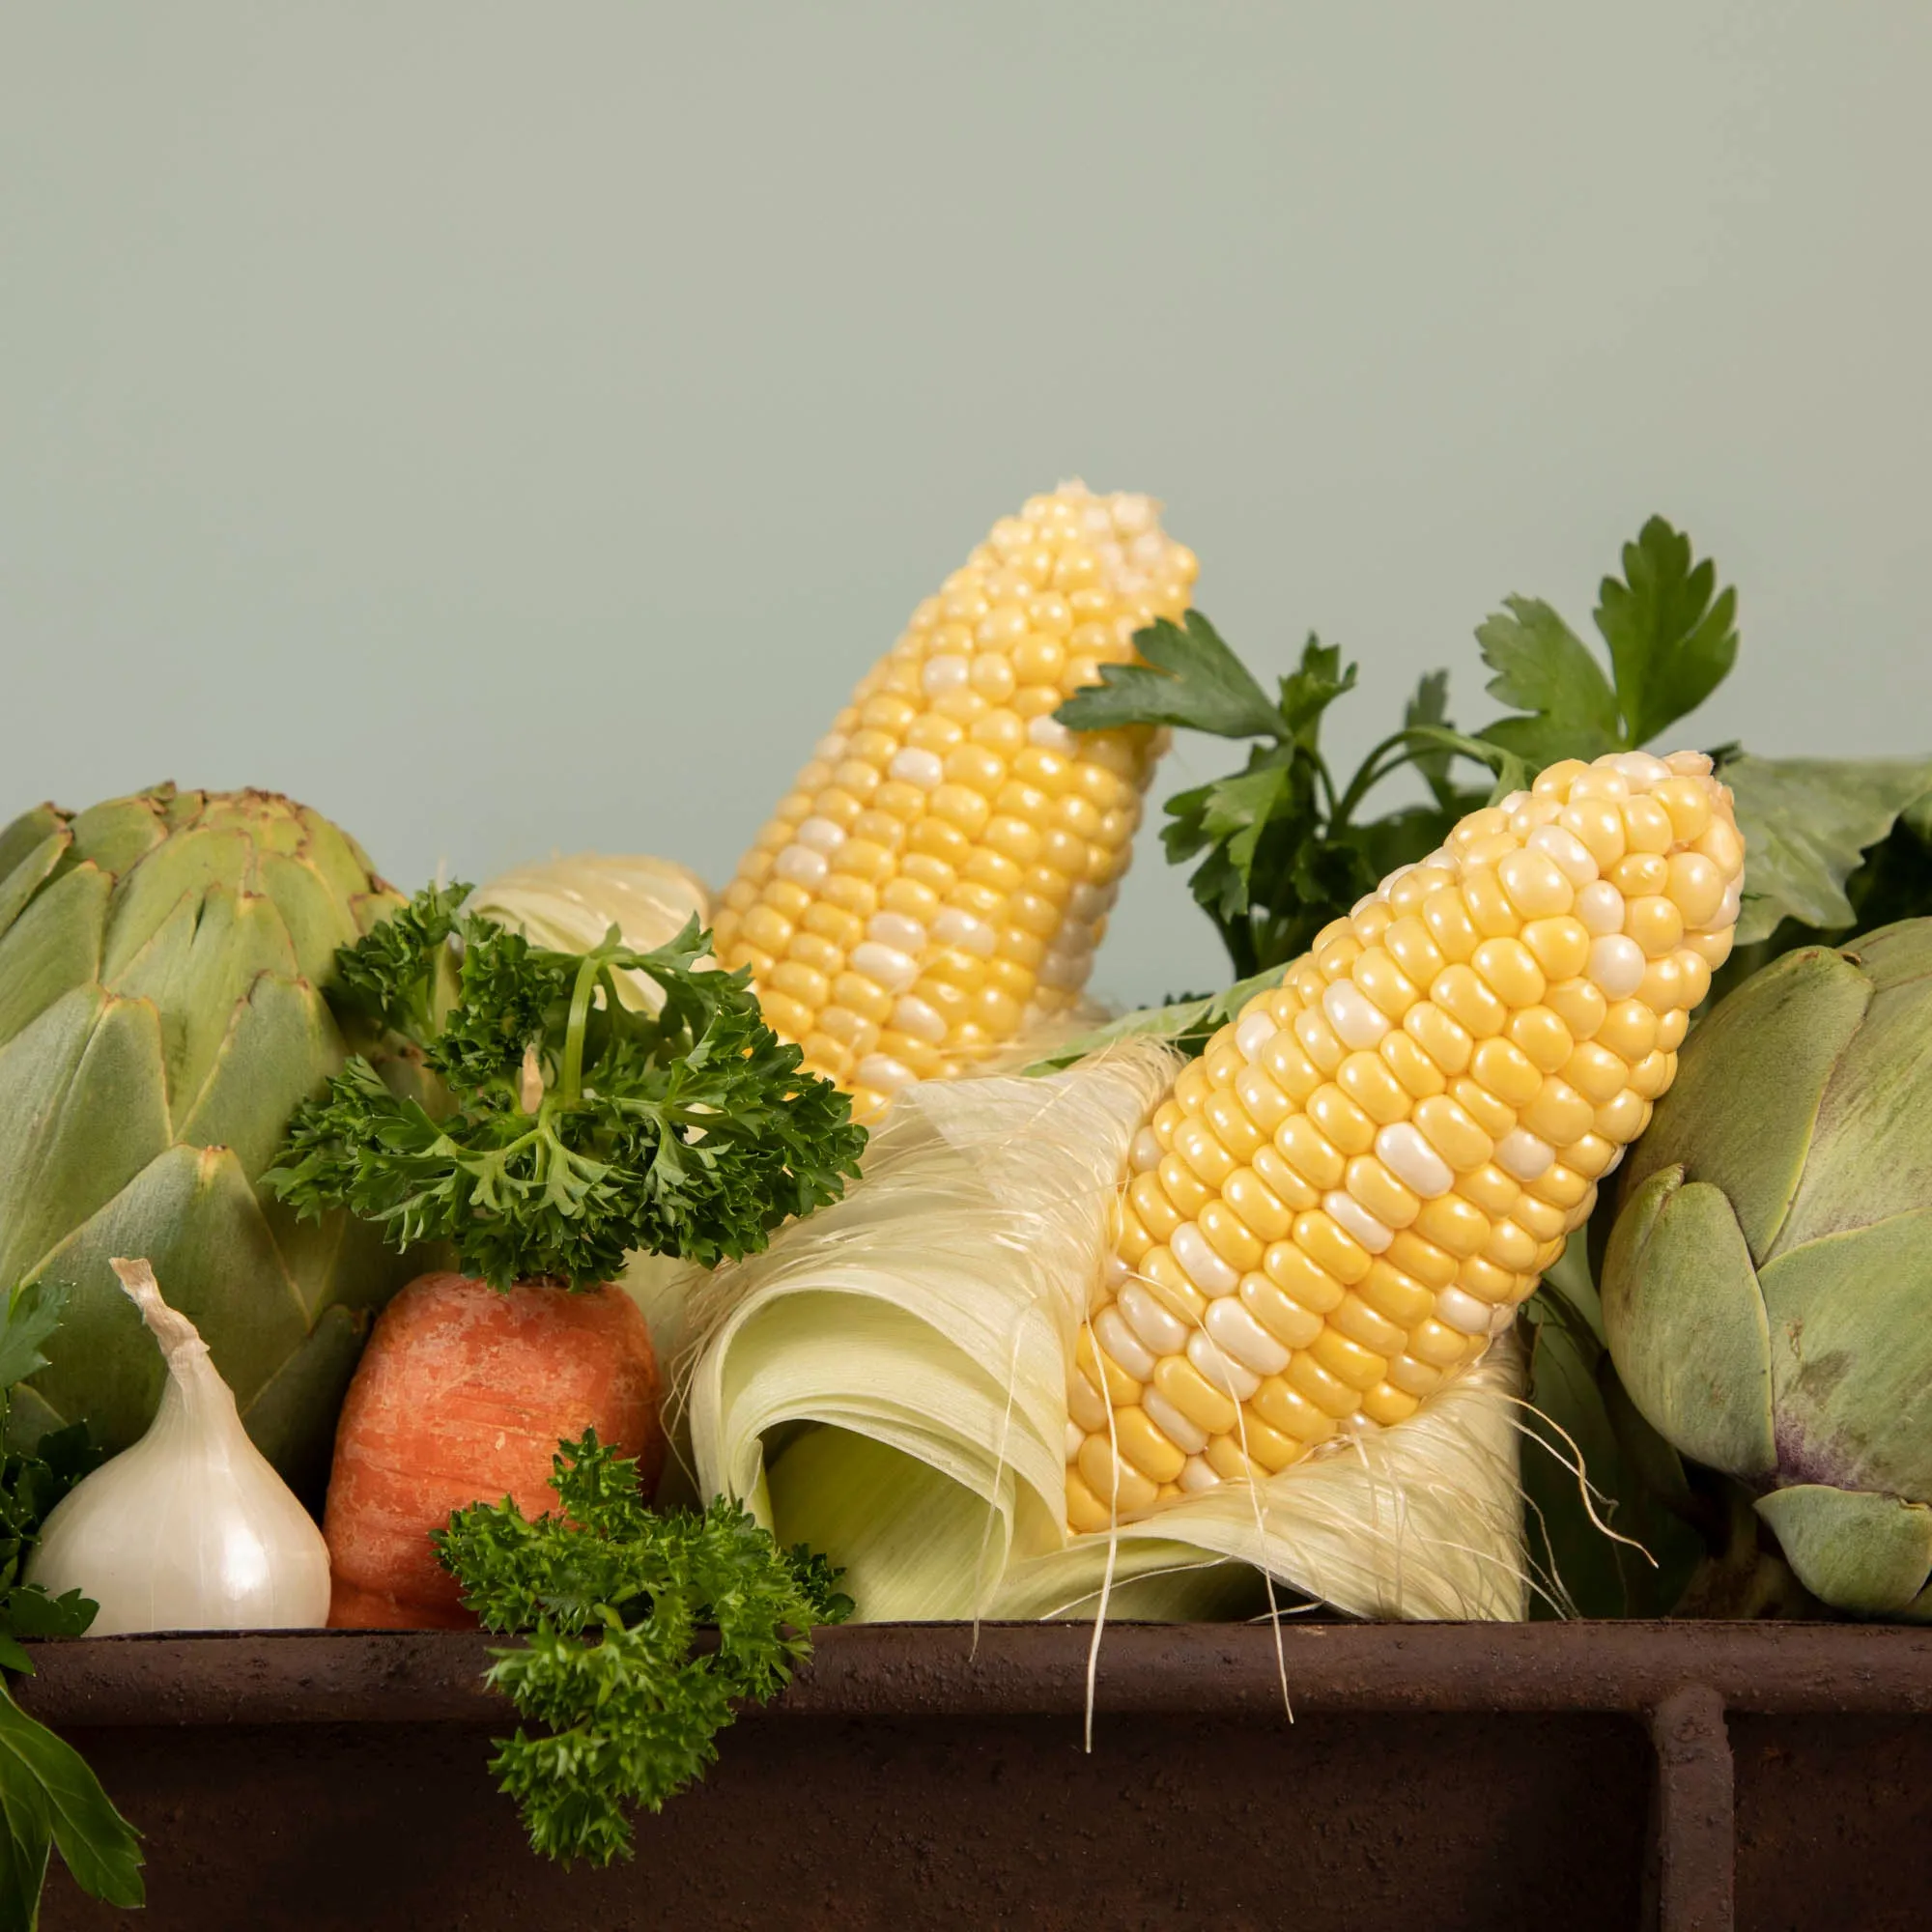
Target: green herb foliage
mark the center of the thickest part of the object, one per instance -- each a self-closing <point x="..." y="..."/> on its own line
<point x="613" y="1596"/>
<point x="1283" y="846"/>
<point x="1284" y="849"/>
<point x="49" y="1798"/>
<point x="690" y="1131"/>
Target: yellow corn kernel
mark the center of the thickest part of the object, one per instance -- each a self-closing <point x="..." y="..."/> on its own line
<point x="1560" y="946"/>
<point x="1112" y="1479"/>
<point x="1387" y="1404"/>
<point x="1142" y="1445"/>
<point x="948" y="775"/>
<point x="1367" y="1203"/>
<point x="1284" y="1318"/>
<point x="1181" y="1382"/>
<point x="1364" y="1327"/>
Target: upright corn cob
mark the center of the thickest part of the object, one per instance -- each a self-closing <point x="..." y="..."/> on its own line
<point x="942" y="871"/>
<point x="1348" y="1195"/>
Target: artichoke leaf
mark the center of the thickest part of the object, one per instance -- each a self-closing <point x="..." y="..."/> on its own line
<point x="124" y="830"/>
<point x="1748" y="1087"/>
<point x="1871" y="1153"/>
<point x="83" y="1110"/>
<point x="31" y="829"/>
<point x="1858" y="1551"/>
<point x="52" y="947"/>
<point x="1686" y="1327"/>
<point x="24" y="880"/>
<point x="291" y="1419"/>
<point x="194" y="1215"/>
<point x="278" y="1044"/>
<point x="1851" y="1357"/>
<point x="1806" y="823"/>
<point x="198" y="967"/>
<point x="191" y="865"/>
<point x="317" y="919"/>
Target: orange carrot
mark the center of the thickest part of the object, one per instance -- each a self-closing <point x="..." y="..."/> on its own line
<point x="461" y="1396"/>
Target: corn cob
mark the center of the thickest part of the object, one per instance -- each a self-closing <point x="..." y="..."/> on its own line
<point x="941" y="872"/>
<point x="1348" y="1195"/>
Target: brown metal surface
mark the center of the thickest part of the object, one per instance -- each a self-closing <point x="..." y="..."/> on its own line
<point x="1487" y="1776"/>
<point x="1693" y="1813"/>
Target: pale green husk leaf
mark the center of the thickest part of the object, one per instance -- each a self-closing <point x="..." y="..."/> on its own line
<point x="889" y="1382"/>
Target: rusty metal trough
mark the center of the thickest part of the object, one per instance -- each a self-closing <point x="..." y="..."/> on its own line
<point x="1561" y="1777"/>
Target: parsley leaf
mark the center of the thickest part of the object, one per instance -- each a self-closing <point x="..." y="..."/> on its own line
<point x="48" y="1796"/>
<point x="1282" y="851"/>
<point x="1189" y="678"/>
<point x="1672" y="637"/>
<point x="1544" y="669"/>
<point x="581" y="1128"/>
<point x="612" y="1595"/>
<point x="1673" y="633"/>
<point x="393" y="976"/>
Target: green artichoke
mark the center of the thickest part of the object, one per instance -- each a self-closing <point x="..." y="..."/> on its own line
<point x="1766" y="1289"/>
<point x="162" y="962"/>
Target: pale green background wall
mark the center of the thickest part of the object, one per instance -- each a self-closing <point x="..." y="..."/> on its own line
<point x="509" y="426"/>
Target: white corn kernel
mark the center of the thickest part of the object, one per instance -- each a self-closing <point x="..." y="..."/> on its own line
<point x="1244" y="1338"/>
<point x="1460" y="1312"/>
<point x="1572" y="857"/>
<point x="1198" y="1474"/>
<point x="1414" y="1161"/>
<point x="1219" y="1370"/>
<point x="1641" y="769"/>
<point x="1521" y="1153"/>
<point x="802" y="866"/>
<point x="1157" y="1325"/>
<point x="1253" y="1034"/>
<point x="821" y="835"/>
<point x="1075" y="1438"/>
<point x="944" y="673"/>
<point x="1146" y="1151"/>
<point x="916" y="767"/>
<point x="915" y="1018"/>
<point x="1124" y="1345"/>
<point x="885" y="966"/>
<point x="882" y="1074"/>
<point x="1617" y="965"/>
<point x="1358" y="1022"/>
<point x="952" y="927"/>
<point x="1202" y="1266"/>
<point x="1599" y="907"/>
<point x="1344" y="1210"/>
<point x="894" y="929"/>
<point x="1187" y="1435"/>
<point x="1049" y="733"/>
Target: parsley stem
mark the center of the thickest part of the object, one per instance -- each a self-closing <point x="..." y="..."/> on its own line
<point x="579" y="1015"/>
<point x="1368" y="777"/>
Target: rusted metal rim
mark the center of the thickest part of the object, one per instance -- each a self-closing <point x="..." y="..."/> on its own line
<point x="945" y="1671"/>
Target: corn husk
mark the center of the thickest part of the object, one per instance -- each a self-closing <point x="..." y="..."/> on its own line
<point x="570" y="903"/>
<point x="888" y="1382"/>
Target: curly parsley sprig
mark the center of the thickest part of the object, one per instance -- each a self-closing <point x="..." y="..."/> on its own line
<point x="583" y="1127"/>
<point x="612" y="1595"/>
